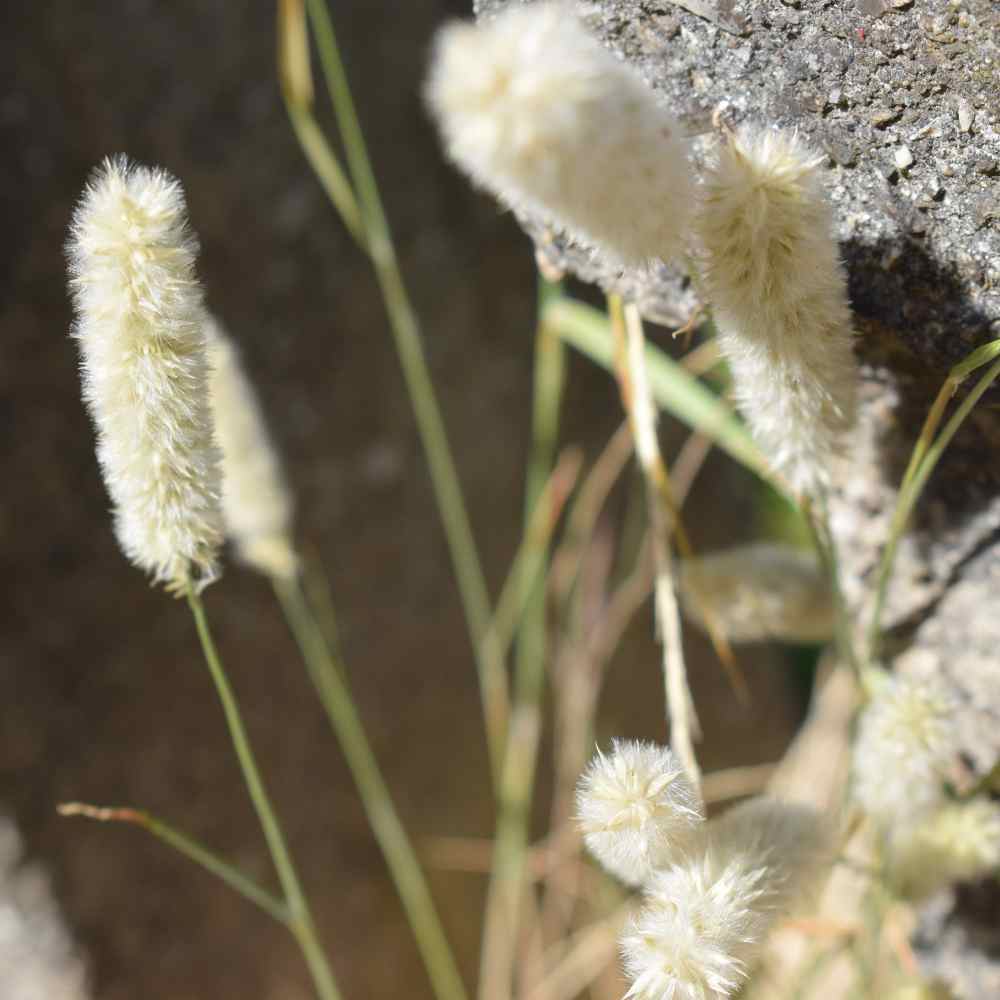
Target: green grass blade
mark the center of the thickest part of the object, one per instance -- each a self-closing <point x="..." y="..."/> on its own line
<point x="675" y="390"/>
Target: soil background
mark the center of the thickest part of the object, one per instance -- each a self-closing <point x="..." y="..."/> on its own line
<point x="104" y="696"/>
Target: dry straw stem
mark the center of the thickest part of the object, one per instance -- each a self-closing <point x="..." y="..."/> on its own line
<point x="295" y="75"/>
<point x="675" y="390"/>
<point x="525" y="570"/>
<point x="642" y="419"/>
<point x="585" y="955"/>
<point x="145" y="372"/>
<point x="505" y="899"/>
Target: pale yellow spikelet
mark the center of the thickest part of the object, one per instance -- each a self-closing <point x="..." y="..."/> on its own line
<point x="144" y="368"/>
<point x="760" y="591"/>
<point x="543" y="116"/>
<point x="707" y="915"/>
<point x="905" y="741"/>
<point x="959" y="842"/>
<point x="257" y="505"/>
<point x="637" y="809"/>
<point x="779" y="297"/>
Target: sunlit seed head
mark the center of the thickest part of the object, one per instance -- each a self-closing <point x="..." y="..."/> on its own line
<point x="637" y="809"/>
<point x="539" y="113"/>
<point x="144" y="368"/>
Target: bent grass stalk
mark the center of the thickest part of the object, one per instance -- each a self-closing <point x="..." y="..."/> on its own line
<point x="676" y="390"/>
<point x="525" y="570"/>
<point x="926" y="454"/>
<point x="378" y="243"/>
<point x="328" y="677"/>
<point x="186" y="845"/>
<point x="300" y="920"/>
<point x="295" y="75"/>
<point x="507" y="883"/>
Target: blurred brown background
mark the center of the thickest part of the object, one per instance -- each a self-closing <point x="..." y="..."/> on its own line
<point x="104" y="697"/>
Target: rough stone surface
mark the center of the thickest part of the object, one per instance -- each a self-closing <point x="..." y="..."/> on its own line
<point x="920" y="235"/>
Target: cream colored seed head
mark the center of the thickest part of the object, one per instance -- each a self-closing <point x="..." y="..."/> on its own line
<point x="543" y="116"/>
<point x="779" y="297"/>
<point x="637" y="809"/>
<point x="257" y="505"/>
<point x="759" y="591"/>
<point x="957" y="843"/>
<point x="708" y="914"/>
<point x="905" y="741"/>
<point x="145" y="374"/>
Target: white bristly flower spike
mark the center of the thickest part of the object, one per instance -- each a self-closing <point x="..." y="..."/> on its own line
<point x="957" y="843"/>
<point x="778" y="292"/>
<point x="637" y="809"/>
<point x="707" y="916"/>
<point x="760" y="591"/>
<point x="144" y="369"/>
<point x="257" y="505"/>
<point x="904" y="744"/>
<point x="539" y="113"/>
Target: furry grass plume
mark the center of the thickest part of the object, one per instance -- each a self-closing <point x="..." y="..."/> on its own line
<point x="637" y="809"/>
<point x="779" y="297"/>
<point x="707" y="916"/>
<point x="904" y="740"/>
<point x="145" y="373"/>
<point x="760" y="591"/>
<point x="539" y="113"/>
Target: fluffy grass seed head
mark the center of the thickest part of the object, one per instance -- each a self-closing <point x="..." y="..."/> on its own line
<point x="144" y="369"/>
<point x="637" y="809"/>
<point x="539" y="113"/>
<point x="257" y="505"/>
<point x="904" y="742"/>
<point x="688" y="941"/>
<point x="706" y="916"/>
<point x="779" y="298"/>
<point x="760" y="591"/>
<point x="959" y="842"/>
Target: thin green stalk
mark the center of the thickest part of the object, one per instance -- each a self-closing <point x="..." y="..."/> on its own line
<point x="526" y="568"/>
<point x="675" y="389"/>
<point x="326" y="167"/>
<point x="328" y="677"/>
<point x="550" y="375"/>
<point x="520" y="762"/>
<point x="406" y="332"/>
<point x="192" y="849"/>
<point x="300" y="918"/>
<point x="909" y="494"/>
